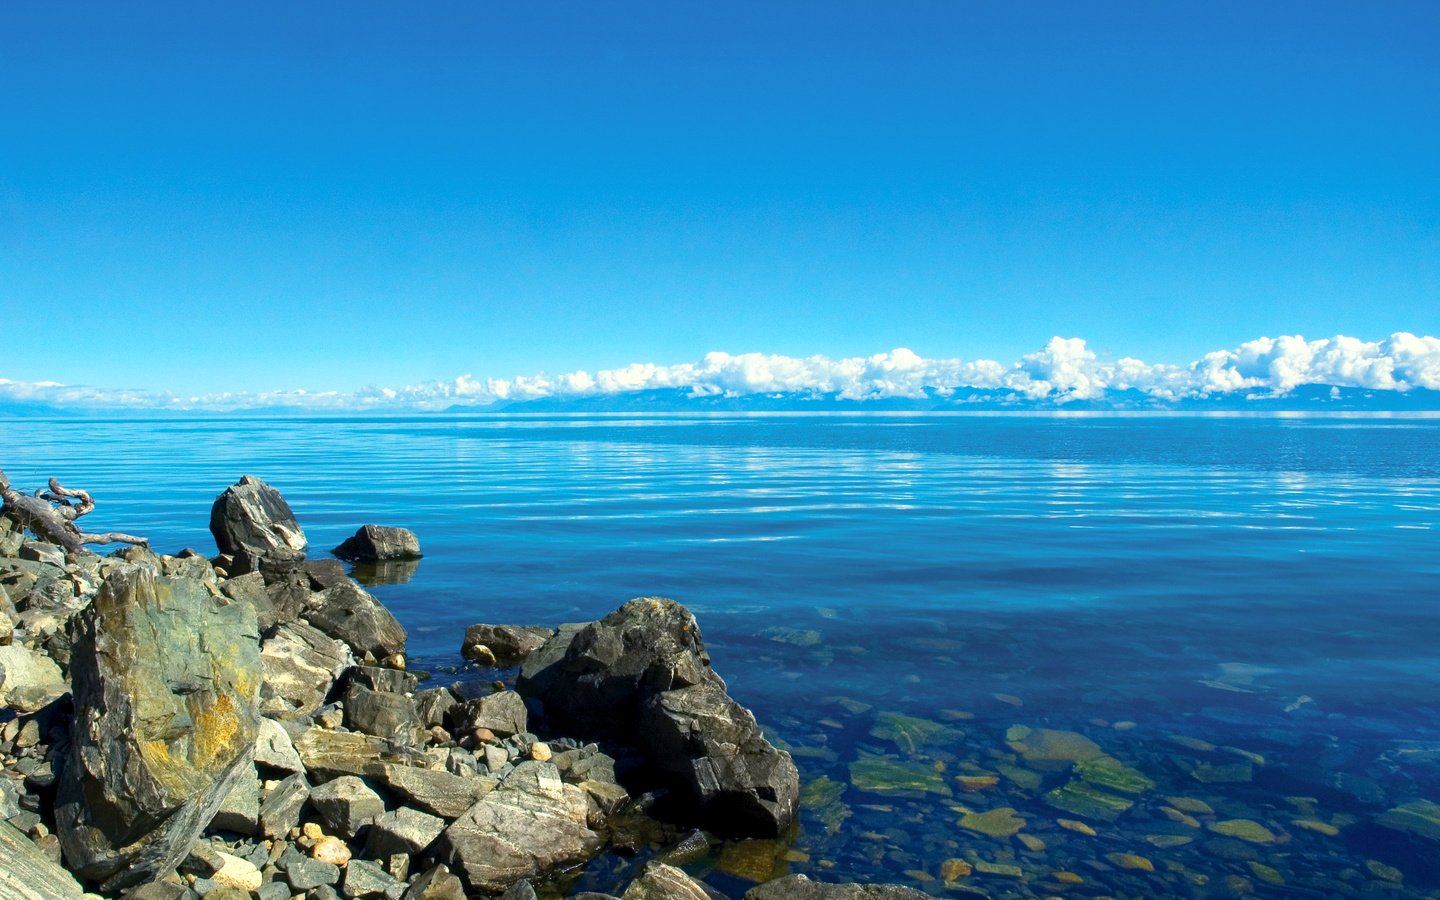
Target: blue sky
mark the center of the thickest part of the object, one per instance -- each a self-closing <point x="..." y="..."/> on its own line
<point x="203" y="198"/>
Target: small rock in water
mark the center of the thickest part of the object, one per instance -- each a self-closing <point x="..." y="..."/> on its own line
<point x="1245" y="830"/>
<point x="996" y="823"/>
<point x="1131" y="861"/>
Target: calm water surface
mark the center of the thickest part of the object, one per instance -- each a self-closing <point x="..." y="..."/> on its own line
<point x="1240" y="612"/>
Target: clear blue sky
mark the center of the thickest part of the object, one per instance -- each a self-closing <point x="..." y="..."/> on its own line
<point x="202" y="196"/>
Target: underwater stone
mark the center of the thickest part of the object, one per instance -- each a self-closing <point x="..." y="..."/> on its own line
<point x="1084" y="800"/>
<point x="1108" y="772"/>
<point x="886" y="775"/>
<point x="1050" y="745"/>
<point x="1420" y="818"/>
<point x="912" y="734"/>
<point x="1245" y="830"/>
<point x="996" y="823"/>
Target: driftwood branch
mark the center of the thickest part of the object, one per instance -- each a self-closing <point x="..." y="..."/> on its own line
<point x="50" y="515"/>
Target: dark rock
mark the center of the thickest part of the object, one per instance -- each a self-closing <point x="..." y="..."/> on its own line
<point x="532" y="823"/>
<point x="164" y="889"/>
<point x="26" y="873"/>
<point x="303" y="873"/>
<point x="641" y="676"/>
<point x="377" y="543"/>
<point x="437" y="883"/>
<point x="389" y="681"/>
<point x="347" y="804"/>
<point x="520" y="890"/>
<point x="323" y="892"/>
<point x="389" y="716"/>
<point x="165" y="688"/>
<point x="272" y="607"/>
<point x="280" y="810"/>
<point x="407" y="831"/>
<point x="434" y="706"/>
<point x="440" y="793"/>
<point x="664" y="882"/>
<point x="325" y="573"/>
<point x="798" y="887"/>
<point x="253" y="523"/>
<point x="505" y="645"/>
<point x="274" y="890"/>
<point x="301" y="663"/>
<point x="239" y="812"/>
<point x="503" y="713"/>
<point x="364" y="878"/>
<point x="203" y="860"/>
<point x="348" y="613"/>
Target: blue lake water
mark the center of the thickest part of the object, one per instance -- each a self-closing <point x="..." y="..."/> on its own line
<point x="1242" y="610"/>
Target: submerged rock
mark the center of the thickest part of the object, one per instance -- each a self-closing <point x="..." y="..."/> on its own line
<point x="166" y="680"/>
<point x="799" y="887"/>
<point x="252" y="523"/>
<point x="641" y="676"/>
<point x="378" y="543"/>
<point x="1420" y="818"/>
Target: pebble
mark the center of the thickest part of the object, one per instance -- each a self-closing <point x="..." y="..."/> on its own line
<point x="540" y="751"/>
<point x="1065" y="877"/>
<point x="1077" y="827"/>
<point x="1131" y="861"/>
<point x="331" y="850"/>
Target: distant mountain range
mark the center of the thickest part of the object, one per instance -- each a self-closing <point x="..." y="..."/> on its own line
<point x="1308" y="398"/>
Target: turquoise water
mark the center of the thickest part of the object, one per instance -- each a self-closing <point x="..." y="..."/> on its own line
<point x="1241" y="611"/>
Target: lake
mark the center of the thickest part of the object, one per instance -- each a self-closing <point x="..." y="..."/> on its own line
<point x="1193" y="656"/>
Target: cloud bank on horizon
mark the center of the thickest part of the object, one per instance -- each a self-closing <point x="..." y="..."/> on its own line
<point x="1064" y="371"/>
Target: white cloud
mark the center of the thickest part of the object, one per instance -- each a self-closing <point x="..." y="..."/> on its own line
<point x="1063" y="371"/>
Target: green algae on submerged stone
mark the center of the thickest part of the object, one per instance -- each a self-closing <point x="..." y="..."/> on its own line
<point x="822" y="797"/>
<point x="1004" y="870"/>
<point x="1228" y="773"/>
<point x="1108" y="772"/>
<point x="1047" y="745"/>
<point x="1027" y="779"/>
<point x="912" y="734"/>
<point x="900" y="778"/>
<point x="1191" y="805"/>
<point x="996" y="823"/>
<point x="1245" y="830"/>
<point x="1420" y="818"/>
<point x="1087" y="801"/>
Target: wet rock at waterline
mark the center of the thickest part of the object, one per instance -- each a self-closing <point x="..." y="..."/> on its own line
<point x="503" y="645"/>
<point x="379" y="543"/>
<point x="166" y="679"/>
<point x="642" y="675"/>
<point x="252" y="523"/>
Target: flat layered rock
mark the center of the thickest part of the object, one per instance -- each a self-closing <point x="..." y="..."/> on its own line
<point x="441" y="793"/>
<point x="798" y="887"/>
<point x="26" y="873"/>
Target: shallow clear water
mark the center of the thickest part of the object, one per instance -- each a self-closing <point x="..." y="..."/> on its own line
<point x="1251" y="599"/>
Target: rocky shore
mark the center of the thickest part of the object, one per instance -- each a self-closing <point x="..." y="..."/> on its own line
<point x="244" y="725"/>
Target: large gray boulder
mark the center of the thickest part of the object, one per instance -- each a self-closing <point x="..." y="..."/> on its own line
<point x="253" y="523"/>
<point x="799" y="887"/>
<point x="348" y="613"/>
<point x="378" y="543"/>
<point x="166" y="677"/>
<point x="641" y="676"/>
<point x="532" y="823"/>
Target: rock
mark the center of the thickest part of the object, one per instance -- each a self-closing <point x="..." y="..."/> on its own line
<point x="437" y="883"/>
<point x="1420" y="818"/>
<point x="253" y="523"/>
<point x="280" y="810"/>
<point x="239" y="812"/>
<point x="440" y="793"/>
<point x="662" y="882"/>
<point x="273" y="748"/>
<point x="1083" y="799"/>
<point x="798" y="887"/>
<point x="330" y="754"/>
<point x="641" y="676"/>
<point x="532" y="823"/>
<point x="29" y="681"/>
<point x="389" y="716"/>
<point x="502" y="712"/>
<point x="1245" y="830"/>
<point x="347" y="804"/>
<point x="1046" y="745"/>
<point x="26" y="873"/>
<point x="303" y="873"/>
<point x="405" y="830"/>
<point x="166" y="679"/>
<point x="332" y="850"/>
<point x="237" y="873"/>
<point x="386" y="681"/>
<point x="434" y="706"/>
<point x="996" y="823"/>
<point x="364" y="878"/>
<point x="273" y="890"/>
<point x="348" y="613"/>
<point x="301" y="663"/>
<point x="505" y="645"/>
<point x="378" y="543"/>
